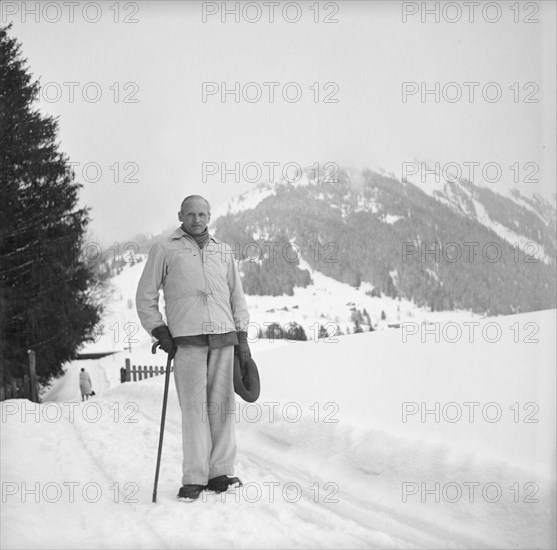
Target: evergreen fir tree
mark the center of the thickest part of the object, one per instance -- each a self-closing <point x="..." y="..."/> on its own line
<point x="49" y="293"/>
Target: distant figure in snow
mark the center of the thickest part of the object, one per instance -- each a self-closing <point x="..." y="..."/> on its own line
<point x="85" y="384"/>
<point x="207" y="322"/>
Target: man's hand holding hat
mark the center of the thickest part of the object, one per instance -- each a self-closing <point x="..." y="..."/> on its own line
<point x="242" y="349"/>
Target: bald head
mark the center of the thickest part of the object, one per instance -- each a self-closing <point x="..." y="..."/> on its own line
<point x="196" y="197"/>
<point x="195" y="214"/>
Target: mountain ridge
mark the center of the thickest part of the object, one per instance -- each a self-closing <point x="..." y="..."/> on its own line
<point x="389" y="214"/>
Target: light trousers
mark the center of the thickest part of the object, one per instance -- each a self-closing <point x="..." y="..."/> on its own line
<point x="205" y="387"/>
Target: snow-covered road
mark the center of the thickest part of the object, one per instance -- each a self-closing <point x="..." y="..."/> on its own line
<point x="326" y="459"/>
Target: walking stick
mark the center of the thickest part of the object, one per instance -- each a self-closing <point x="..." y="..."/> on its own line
<point x="163" y="417"/>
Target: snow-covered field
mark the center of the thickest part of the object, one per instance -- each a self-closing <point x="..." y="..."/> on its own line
<point x="366" y="441"/>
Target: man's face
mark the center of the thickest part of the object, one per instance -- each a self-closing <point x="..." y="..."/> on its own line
<point x="194" y="216"/>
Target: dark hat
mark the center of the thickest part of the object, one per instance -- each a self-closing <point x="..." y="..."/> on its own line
<point x="246" y="380"/>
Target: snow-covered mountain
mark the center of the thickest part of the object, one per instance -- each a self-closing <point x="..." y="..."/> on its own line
<point x="459" y="194"/>
<point x="454" y="245"/>
<point x="513" y="216"/>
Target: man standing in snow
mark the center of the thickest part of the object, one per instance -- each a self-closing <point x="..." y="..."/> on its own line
<point x="85" y="384"/>
<point x="207" y="322"/>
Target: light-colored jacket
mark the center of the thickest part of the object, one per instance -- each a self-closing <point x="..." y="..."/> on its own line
<point x="202" y="288"/>
<point x="85" y="382"/>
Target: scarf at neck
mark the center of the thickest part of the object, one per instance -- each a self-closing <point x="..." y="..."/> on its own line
<point x="201" y="238"/>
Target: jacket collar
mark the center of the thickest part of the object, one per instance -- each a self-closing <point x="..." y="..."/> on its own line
<point x="179" y="233"/>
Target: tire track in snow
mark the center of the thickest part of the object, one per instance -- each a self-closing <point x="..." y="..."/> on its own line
<point x="420" y="533"/>
<point x="387" y="531"/>
<point x="135" y="511"/>
<point x="347" y="517"/>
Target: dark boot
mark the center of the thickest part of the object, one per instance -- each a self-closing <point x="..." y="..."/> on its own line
<point x="221" y="484"/>
<point x="188" y="493"/>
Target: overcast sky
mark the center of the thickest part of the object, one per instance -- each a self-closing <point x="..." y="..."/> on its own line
<point x="163" y="59"/>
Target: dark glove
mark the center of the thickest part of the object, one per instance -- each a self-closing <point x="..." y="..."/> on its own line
<point x="242" y="349"/>
<point x="162" y="334"/>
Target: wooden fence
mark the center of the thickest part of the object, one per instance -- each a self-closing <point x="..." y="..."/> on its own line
<point x="133" y="373"/>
